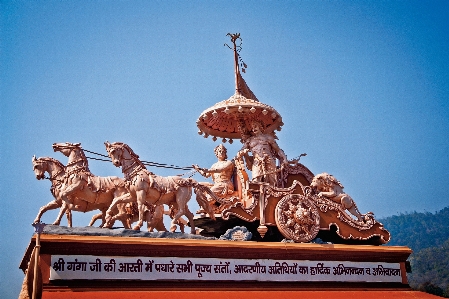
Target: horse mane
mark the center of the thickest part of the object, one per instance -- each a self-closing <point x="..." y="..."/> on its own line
<point x="130" y="151"/>
<point x="53" y="160"/>
<point x="82" y="156"/>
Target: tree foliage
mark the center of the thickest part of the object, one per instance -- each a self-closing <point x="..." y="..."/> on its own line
<point x="427" y="235"/>
<point x="418" y="230"/>
<point x="430" y="268"/>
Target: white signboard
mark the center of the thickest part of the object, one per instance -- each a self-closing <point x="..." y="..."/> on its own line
<point x="90" y="267"/>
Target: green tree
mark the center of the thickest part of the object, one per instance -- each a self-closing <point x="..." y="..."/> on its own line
<point x="427" y="235"/>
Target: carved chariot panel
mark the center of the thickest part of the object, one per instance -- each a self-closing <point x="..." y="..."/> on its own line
<point x="297" y="218"/>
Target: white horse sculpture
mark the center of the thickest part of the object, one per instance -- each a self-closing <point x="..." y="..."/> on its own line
<point x="56" y="173"/>
<point x="146" y="188"/>
<point x="83" y="191"/>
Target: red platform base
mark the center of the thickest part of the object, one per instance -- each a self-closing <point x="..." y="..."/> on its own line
<point x="69" y="247"/>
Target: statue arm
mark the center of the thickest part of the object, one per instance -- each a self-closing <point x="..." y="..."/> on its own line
<point x="243" y="153"/>
<point x="201" y="171"/>
<point x="279" y="152"/>
<point x="208" y="172"/>
<point x="226" y="166"/>
<point x="330" y="194"/>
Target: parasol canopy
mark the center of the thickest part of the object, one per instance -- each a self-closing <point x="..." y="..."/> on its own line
<point x="228" y="118"/>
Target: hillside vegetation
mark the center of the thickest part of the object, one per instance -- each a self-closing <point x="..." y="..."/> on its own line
<point x="418" y="230"/>
<point x="427" y="235"/>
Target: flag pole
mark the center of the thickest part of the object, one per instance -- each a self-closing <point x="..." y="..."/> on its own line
<point x="38" y="228"/>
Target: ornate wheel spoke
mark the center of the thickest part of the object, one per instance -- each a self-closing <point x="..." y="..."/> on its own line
<point x="297" y="218"/>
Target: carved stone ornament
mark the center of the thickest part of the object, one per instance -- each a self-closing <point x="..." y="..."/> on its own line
<point x="327" y="186"/>
<point x="222" y="119"/>
<point x="225" y="118"/>
<point x="238" y="233"/>
<point x="297" y="218"/>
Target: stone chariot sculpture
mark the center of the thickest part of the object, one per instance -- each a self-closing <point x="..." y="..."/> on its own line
<point x="280" y="199"/>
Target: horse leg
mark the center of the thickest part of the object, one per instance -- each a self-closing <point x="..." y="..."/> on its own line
<point x="95" y="218"/>
<point x="189" y="216"/>
<point x="141" y="194"/>
<point x="50" y="206"/>
<point x="110" y="212"/>
<point x="161" y="227"/>
<point x="177" y="219"/>
<point x="182" y="223"/>
<point x="123" y="218"/>
<point x="68" y="214"/>
<point x="174" y="221"/>
<point x="155" y="220"/>
<point x="182" y="197"/>
<point x="110" y="222"/>
<point x="150" y="221"/>
<point x="62" y="210"/>
<point x="103" y="217"/>
<point x="67" y="191"/>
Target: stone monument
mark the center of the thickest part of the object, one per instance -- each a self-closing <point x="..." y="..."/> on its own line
<point x="280" y="231"/>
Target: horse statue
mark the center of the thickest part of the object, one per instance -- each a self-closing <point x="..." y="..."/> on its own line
<point x="56" y="173"/>
<point x="146" y="188"/>
<point x="153" y="216"/>
<point x="82" y="191"/>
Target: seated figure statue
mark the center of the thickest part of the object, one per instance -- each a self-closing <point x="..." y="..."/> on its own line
<point x="221" y="173"/>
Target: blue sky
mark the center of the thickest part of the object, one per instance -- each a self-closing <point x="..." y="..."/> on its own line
<point x="362" y="87"/>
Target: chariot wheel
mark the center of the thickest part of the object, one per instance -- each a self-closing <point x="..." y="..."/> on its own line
<point x="297" y="218"/>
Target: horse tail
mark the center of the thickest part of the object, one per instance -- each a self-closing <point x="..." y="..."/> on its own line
<point x="201" y="198"/>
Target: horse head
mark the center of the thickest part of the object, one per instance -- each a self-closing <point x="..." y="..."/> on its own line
<point x="115" y="152"/>
<point x="50" y="165"/>
<point x="39" y="168"/>
<point x="75" y="152"/>
<point x="122" y="155"/>
<point x="66" y="147"/>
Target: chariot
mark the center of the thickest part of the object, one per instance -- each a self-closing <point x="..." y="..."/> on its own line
<point x="293" y="211"/>
<point x="283" y="199"/>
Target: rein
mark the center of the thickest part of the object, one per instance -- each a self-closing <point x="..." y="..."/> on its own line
<point x="135" y="166"/>
<point x="146" y="163"/>
<point x="75" y="162"/>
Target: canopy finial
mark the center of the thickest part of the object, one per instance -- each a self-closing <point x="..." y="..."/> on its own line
<point x="241" y="88"/>
<point x="236" y="48"/>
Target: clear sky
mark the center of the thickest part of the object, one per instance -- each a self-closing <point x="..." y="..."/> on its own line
<point x="362" y="86"/>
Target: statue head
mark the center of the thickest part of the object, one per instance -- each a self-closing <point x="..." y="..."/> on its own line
<point x="220" y="150"/>
<point x="324" y="181"/>
<point x="257" y="127"/>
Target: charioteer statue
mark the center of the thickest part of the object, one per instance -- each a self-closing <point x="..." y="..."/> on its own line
<point x="221" y="173"/>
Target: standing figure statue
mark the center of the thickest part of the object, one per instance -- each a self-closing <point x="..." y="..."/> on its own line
<point x="221" y="173"/>
<point x="264" y="151"/>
